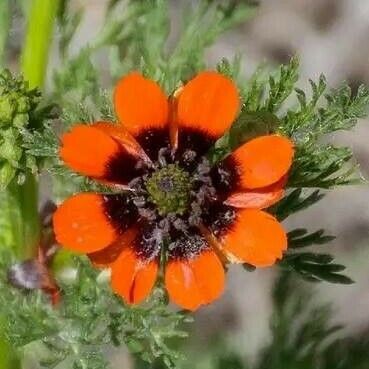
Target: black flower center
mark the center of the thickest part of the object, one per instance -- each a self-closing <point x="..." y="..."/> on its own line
<point x="169" y="188"/>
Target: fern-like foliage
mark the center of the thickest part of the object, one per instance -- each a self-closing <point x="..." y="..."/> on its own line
<point x="135" y="36"/>
<point x="90" y="318"/>
<point x="317" y="166"/>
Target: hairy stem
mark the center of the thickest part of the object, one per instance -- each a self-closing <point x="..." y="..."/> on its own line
<point x="24" y="218"/>
<point x="23" y="199"/>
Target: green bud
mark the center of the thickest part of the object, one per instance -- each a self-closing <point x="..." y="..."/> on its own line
<point x="7" y="109"/>
<point x="20" y="117"/>
<point x="7" y="173"/>
<point x="16" y="100"/>
<point x="31" y="163"/>
<point x="23" y="104"/>
<point x="21" y="178"/>
<point x="20" y="120"/>
<point x="9" y="147"/>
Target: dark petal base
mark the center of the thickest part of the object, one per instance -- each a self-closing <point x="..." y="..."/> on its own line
<point x="192" y="146"/>
<point x="219" y="218"/>
<point x="123" y="167"/>
<point x="225" y="177"/>
<point x="187" y="245"/>
<point x="121" y="211"/>
<point x="153" y="140"/>
<point x="177" y="231"/>
<point x="148" y="242"/>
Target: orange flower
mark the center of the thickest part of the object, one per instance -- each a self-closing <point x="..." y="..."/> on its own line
<point x="170" y="203"/>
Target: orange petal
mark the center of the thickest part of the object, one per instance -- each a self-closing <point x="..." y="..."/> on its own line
<point x="209" y="274"/>
<point x="263" y="160"/>
<point x="260" y="198"/>
<point x="181" y="285"/>
<point x="108" y="255"/>
<point x="82" y="225"/>
<point x="209" y="103"/>
<point x="102" y="151"/>
<point x="140" y="104"/>
<point x="133" y="278"/>
<point x="255" y="237"/>
<point x="195" y="282"/>
<point x="87" y="150"/>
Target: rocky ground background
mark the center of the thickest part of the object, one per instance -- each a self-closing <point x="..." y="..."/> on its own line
<point x="331" y="37"/>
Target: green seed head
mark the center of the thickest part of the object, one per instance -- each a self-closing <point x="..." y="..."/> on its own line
<point x="169" y="189"/>
<point x="19" y="117"/>
<point x="16" y="100"/>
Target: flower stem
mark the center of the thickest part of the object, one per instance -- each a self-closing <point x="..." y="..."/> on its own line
<point x="24" y="217"/>
<point x="23" y="199"/>
<point x="37" y="43"/>
<point x="4" y="28"/>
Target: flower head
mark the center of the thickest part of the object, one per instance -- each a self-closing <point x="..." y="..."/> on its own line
<point x="172" y="209"/>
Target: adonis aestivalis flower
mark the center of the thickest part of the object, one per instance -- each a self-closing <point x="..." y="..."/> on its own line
<point x="172" y="212"/>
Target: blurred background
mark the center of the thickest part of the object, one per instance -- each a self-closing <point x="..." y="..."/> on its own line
<point x="330" y="37"/>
